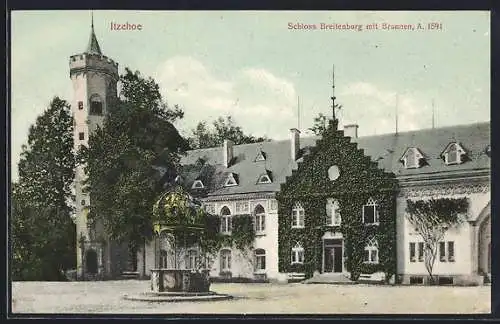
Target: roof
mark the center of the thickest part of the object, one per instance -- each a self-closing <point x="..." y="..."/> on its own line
<point x="385" y="149"/>
<point x="93" y="46"/>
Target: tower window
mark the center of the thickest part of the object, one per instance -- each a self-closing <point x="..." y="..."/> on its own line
<point x="80" y="105"/>
<point x="96" y="108"/>
<point x="81" y="136"/>
<point x="83" y="202"/>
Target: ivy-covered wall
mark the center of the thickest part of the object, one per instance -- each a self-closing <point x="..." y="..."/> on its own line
<point x="359" y="180"/>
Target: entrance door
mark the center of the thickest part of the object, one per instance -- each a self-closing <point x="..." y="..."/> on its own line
<point x="333" y="258"/>
<point x="91" y="262"/>
<point x="337" y="259"/>
<point x="329" y="259"/>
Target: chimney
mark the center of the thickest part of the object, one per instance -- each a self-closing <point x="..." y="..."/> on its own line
<point x="228" y="152"/>
<point x="351" y="131"/>
<point x="295" y="142"/>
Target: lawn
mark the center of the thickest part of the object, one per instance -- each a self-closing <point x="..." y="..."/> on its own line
<point x="106" y="297"/>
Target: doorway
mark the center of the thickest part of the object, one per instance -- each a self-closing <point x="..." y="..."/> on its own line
<point x="333" y="256"/>
<point x="91" y="262"/>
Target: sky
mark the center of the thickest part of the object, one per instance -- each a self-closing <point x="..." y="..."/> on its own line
<point x="267" y="76"/>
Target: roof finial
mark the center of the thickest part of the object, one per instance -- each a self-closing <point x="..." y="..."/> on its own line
<point x="93" y="45"/>
<point x="334" y="105"/>
<point x="333" y="91"/>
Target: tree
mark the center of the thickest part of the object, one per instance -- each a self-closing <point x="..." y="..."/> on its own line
<point x="431" y="219"/>
<point x="204" y="137"/>
<point x="320" y="125"/>
<point x="43" y="234"/>
<point x="136" y="135"/>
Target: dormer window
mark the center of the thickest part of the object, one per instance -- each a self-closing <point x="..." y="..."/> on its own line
<point x="413" y="158"/>
<point x="261" y="156"/>
<point x="488" y="150"/>
<point x="197" y="184"/>
<point x="453" y="154"/>
<point x="231" y="180"/>
<point x="265" y="178"/>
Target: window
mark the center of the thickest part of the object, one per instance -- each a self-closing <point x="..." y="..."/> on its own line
<point x="447" y="254"/>
<point x="453" y="154"/>
<point x="81" y="136"/>
<point x="241" y="207"/>
<point x="371" y="251"/>
<point x="95" y="106"/>
<point x="333" y="217"/>
<point x="297" y="216"/>
<point x="261" y="156"/>
<point x="412" y="252"/>
<point x="231" y="180"/>
<point x="416" y="280"/>
<point x="210" y="208"/>
<point x="260" y="219"/>
<point x="225" y="260"/>
<point x="420" y="251"/>
<point x="80" y="105"/>
<point x="192" y="259"/>
<point x="273" y="204"/>
<point x="260" y="260"/>
<point x="226" y="224"/>
<point x="197" y="184"/>
<point x="297" y="253"/>
<point x="412" y="158"/>
<point x="83" y="202"/>
<point x="370" y="212"/>
<point x="264" y="178"/>
<point x="416" y="252"/>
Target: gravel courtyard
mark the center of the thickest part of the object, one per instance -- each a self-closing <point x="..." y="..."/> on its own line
<point x="107" y="297"/>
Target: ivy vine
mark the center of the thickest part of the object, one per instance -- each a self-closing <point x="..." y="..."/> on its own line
<point x="359" y="180"/>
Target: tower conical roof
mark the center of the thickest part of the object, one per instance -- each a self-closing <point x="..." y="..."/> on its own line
<point x="93" y="46"/>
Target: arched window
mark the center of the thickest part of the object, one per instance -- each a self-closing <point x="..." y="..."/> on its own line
<point x="225" y="260"/>
<point x="260" y="260"/>
<point x="333" y="217"/>
<point x="297" y="253"/>
<point x="370" y="212"/>
<point x="452" y="156"/>
<point x="95" y="105"/>
<point x="260" y="219"/>
<point x="298" y="215"/>
<point x="191" y="259"/>
<point x="225" y="225"/>
<point x="371" y="251"/>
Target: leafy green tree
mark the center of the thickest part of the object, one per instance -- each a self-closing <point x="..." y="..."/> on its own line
<point x="43" y="234"/>
<point x="320" y="124"/>
<point x="432" y="219"/>
<point x="137" y="134"/>
<point x="203" y="136"/>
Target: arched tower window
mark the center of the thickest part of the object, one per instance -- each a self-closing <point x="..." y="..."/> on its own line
<point x="95" y="105"/>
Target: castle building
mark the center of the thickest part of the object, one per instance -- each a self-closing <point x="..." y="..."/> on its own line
<point x="330" y="205"/>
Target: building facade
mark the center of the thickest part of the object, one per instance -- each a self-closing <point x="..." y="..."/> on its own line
<point x="331" y="204"/>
